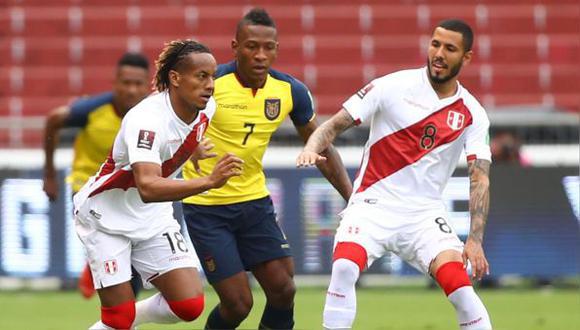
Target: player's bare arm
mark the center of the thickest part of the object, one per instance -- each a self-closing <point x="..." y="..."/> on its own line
<point x="332" y="168"/>
<point x="153" y="187"/>
<point x="478" y="208"/>
<point x="322" y="138"/>
<point x="54" y="122"/>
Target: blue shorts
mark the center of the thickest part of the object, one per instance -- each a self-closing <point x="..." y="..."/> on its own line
<point x="236" y="237"/>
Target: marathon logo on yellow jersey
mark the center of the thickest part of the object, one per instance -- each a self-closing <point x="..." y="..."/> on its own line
<point x="272" y="108"/>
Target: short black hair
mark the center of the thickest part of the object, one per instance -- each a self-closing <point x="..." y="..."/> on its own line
<point x="256" y="16"/>
<point x="172" y="57"/>
<point x="460" y="26"/>
<point x="134" y="59"/>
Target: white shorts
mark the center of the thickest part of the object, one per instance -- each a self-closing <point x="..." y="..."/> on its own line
<point x="110" y="256"/>
<point x="416" y="237"/>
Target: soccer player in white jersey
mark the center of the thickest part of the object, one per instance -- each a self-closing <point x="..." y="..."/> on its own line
<point x="124" y="214"/>
<point x="420" y="122"/>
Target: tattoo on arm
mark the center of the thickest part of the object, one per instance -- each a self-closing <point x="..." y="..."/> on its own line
<point x="479" y="197"/>
<point x="327" y="132"/>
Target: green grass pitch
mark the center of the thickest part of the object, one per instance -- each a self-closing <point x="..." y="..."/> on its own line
<point x="378" y="308"/>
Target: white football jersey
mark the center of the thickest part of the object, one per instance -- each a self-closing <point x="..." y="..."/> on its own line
<point x="415" y="139"/>
<point x="150" y="132"/>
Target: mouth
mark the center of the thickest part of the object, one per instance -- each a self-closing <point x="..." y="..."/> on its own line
<point x="259" y="68"/>
<point x="205" y="97"/>
<point x="438" y="66"/>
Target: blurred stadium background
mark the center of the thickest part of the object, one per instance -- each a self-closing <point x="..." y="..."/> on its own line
<point x="525" y="72"/>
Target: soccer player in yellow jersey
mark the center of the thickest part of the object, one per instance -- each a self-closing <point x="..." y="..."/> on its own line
<point x="234" y="228"/>
<point x="99" y="119"/>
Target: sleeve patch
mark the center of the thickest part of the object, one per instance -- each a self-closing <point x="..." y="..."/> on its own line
<point x="146" y="139"/>
<point x="361" y="93"/>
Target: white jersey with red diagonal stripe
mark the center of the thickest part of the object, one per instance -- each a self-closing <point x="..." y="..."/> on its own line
<point x="415" y="139"/>
<point x="150" y="132"/>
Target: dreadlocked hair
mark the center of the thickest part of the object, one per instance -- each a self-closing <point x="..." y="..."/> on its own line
<point x="171" y="58"/>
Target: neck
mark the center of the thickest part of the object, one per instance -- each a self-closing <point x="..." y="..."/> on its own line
<point x="184" y="111"/>
<point x="119" y="110"/>
<point x="444" y="89"/>
<point x="250" y="82"/>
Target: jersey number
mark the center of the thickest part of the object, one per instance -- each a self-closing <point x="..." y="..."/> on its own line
<point x="251" y="126"/>
<point x="179" y="241"/>
<point x="428" y="139"/>
<point x="443" y="226"/>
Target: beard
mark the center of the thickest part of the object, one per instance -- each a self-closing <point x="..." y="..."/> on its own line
<point x="453" y="72"/>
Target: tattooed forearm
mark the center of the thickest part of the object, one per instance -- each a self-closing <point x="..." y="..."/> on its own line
<point x="327" y="132"/>
<point x="479" y="197"/>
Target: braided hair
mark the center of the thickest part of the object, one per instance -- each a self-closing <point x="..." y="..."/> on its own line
<point x="172" y="58"/>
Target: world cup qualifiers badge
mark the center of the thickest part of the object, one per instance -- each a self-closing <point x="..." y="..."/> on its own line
<point x="272" y="108"/>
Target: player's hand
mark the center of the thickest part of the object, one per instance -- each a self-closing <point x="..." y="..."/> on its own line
<point x="202" y="152"/>
<point x="473" y="251"/>
<point x="309" y="158"/>
<point x="227" y="167"/>
<point x="50" y="186"/>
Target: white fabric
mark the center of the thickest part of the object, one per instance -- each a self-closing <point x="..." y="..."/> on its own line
<point x="340" y="306"/>
<point x="416" y="237"/>
<point x="100" y="326"/>
<point x="150" y="132"/>
<point x="154" y="309"/>
<point x="396" y="102"/>
<point x="471" y="312"/>
<point x="110" y="256"/>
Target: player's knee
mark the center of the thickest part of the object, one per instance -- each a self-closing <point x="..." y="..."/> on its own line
<point x="238" y="308"/>
<point x="188" y="309"/>
<point x="353" y="252"/>
<point x="282" y="295"/>
<point x="451" y="276"/>
<point x="346" y="270"/>
<point x="120" y="316"/>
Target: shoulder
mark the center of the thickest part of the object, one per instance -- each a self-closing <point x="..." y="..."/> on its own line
<point x="298" y="88"/>
<point x="149" y="109"/>
<point x="90" y="103"/>
<point x="225" y="69"/>
<point x="475" y="108"/>
<point x="471" y="102"/>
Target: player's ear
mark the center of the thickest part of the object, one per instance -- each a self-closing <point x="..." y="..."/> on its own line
<point x="235" y="46"/>
<point x="467" y="57"/>
<point x="174" y="78"/>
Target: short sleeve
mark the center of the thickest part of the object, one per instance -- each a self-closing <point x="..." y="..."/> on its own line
<point x="362" y="105"/>
<point x="81" y="108"/>
<point x="477" y="137"/>
<point x="143" y="138"/>
<point x="303" y="107"/>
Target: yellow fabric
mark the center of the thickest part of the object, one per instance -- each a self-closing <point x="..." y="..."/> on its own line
<point x="238" y="113"/>
<point x="92" y="144"/>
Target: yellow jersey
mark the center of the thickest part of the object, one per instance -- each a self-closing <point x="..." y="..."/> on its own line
<point x="99" y="123"/>
<point x="243" y="124"/>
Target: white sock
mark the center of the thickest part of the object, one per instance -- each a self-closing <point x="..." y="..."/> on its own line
<point x="340" y="307"/>
<point x="471" y="312"/>
<point x="100" y="326"/>
<point x="154" y="310"/>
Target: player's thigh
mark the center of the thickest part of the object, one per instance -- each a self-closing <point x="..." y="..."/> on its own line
<point x="211" y="232"/>
<point x="179" y="284"/>
<point x="364" y="225"/>
<point x="162" y="253"/>
<point x="108" y="256"/>
<point x="260" y="238"/>
<point x="421" y="242"/>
